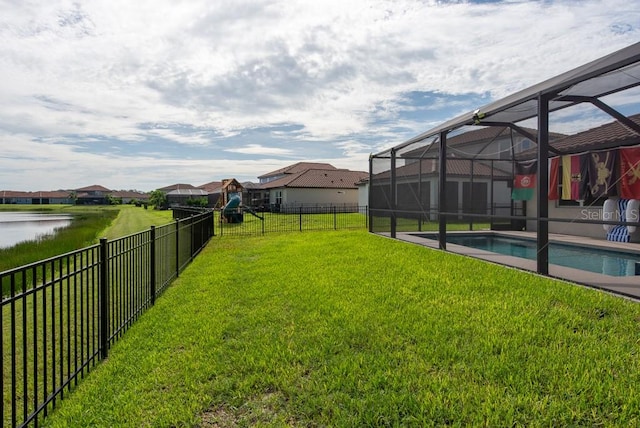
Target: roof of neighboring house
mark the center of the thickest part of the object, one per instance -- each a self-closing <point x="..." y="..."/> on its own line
<point x="93" y="188"/>
<point x="59" y="194"/>
<point x="187" y="192"/>
<point x="226" y="183"/>
<point x="319" y="178"/>
<point x="455" y="167"/>
<point x="475" y="136"/>
<point x="250" y="186"/>
<point x="492" y="132"/>
<point x="212" y="187"/>
<point x="608" y="136"/>
<point x="297" y="168"/>
<point x="176" y="186"/>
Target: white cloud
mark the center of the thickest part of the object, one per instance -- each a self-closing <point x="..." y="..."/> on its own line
<point x="104" y="70"/>
<point x="257" y="149"/>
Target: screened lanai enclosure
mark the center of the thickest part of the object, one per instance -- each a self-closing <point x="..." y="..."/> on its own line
<point x="560" y="157"/>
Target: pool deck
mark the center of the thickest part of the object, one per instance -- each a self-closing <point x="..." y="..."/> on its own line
<point x="626" y="286"/>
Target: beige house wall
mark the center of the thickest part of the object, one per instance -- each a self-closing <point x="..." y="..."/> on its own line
<point x="315" y="197"/>
<point x="569" y="213"/>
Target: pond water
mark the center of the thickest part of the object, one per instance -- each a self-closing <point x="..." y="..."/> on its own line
<point x="22" y="226"/>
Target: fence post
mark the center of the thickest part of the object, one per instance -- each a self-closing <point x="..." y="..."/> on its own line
<point x="153" y="265"/>
<point x="192" y="236"/>
<point x="300" y="209"/>
<point x="177" y="248"/>
<point x="335" y="219"/>
<point x="104" y="298"/>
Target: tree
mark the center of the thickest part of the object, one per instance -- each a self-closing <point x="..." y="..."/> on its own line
<point x="158" y="198"/>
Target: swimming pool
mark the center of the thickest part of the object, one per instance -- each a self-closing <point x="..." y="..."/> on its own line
<point x="603" y="261"/>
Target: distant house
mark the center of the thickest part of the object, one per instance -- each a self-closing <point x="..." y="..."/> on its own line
<point x="92" y="195"/>
<point x="292" y="169"/>
<point x="183" y="194"/>
<point x="214" y="193"/>
<point x="307" y="184"/>
<point x="128" y="196"/>
<point x="255" y="196"/>
<point x="36" y="198"/>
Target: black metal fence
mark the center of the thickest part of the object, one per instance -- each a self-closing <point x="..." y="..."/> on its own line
<point x="302" y="218"/>
<point x="495" y="217"/>
<point x="61" y="315"/>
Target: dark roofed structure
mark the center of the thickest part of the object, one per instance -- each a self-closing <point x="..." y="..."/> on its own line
<point x="610" y="135"/>
<point x="177" y="186"/>
<point x="294" y="169"/>
<point x="476" y="136"/>
<point x="212" y="187"/>
<point x="93" y="189"/>
<point x="319" y="178"/>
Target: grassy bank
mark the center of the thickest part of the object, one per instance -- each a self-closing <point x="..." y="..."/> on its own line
<point x="133" y="219"/>
<point x="351" y="329"/>
<point x="88" y="225"/>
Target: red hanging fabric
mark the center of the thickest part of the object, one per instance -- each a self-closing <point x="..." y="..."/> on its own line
<point x="630" y="173"/>
<point x="554" y="176"/>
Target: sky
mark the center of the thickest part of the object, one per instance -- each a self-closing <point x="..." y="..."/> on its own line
<point x="148" y="93"/>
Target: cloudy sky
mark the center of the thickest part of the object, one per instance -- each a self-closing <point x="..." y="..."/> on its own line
<point x="146" y="93"/>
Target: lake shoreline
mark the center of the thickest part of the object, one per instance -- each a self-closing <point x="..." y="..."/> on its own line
<point x="23" y="226"/>
<point x="87" y="224"/>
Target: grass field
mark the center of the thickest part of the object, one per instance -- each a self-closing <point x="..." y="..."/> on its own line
<point x="133" y="219"/>
<point x="352" y="329"/>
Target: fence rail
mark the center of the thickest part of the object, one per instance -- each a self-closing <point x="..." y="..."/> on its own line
<point x="301" y="218"/>
<point x="60" y="315"/>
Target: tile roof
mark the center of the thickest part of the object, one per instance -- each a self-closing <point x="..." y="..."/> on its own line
<point x="176" y="186"/>
<point x="189" y="192"/>
<point x="297" y="168"/>
<point x="320" y="178"/>
<point x="93" y="188"/>
<point x="212" y="187"/>
<point x="455" y="167"/>
<point x="250" y="185"/>
<point x="607" y="136"/>
<point x="475" y="136"/>
<point x="58" y="194"/>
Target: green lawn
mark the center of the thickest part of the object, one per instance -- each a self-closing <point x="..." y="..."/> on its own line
<point x="353" y="329"/>
<point x="132" y="219"/>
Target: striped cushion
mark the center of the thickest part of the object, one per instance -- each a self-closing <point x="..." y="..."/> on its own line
<point x="620" y="233"/>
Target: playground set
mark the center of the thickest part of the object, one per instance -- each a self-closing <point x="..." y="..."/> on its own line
<point x="233" y="209"/>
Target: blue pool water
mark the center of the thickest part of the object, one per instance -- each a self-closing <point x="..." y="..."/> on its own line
<point x="607" y="262"/>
